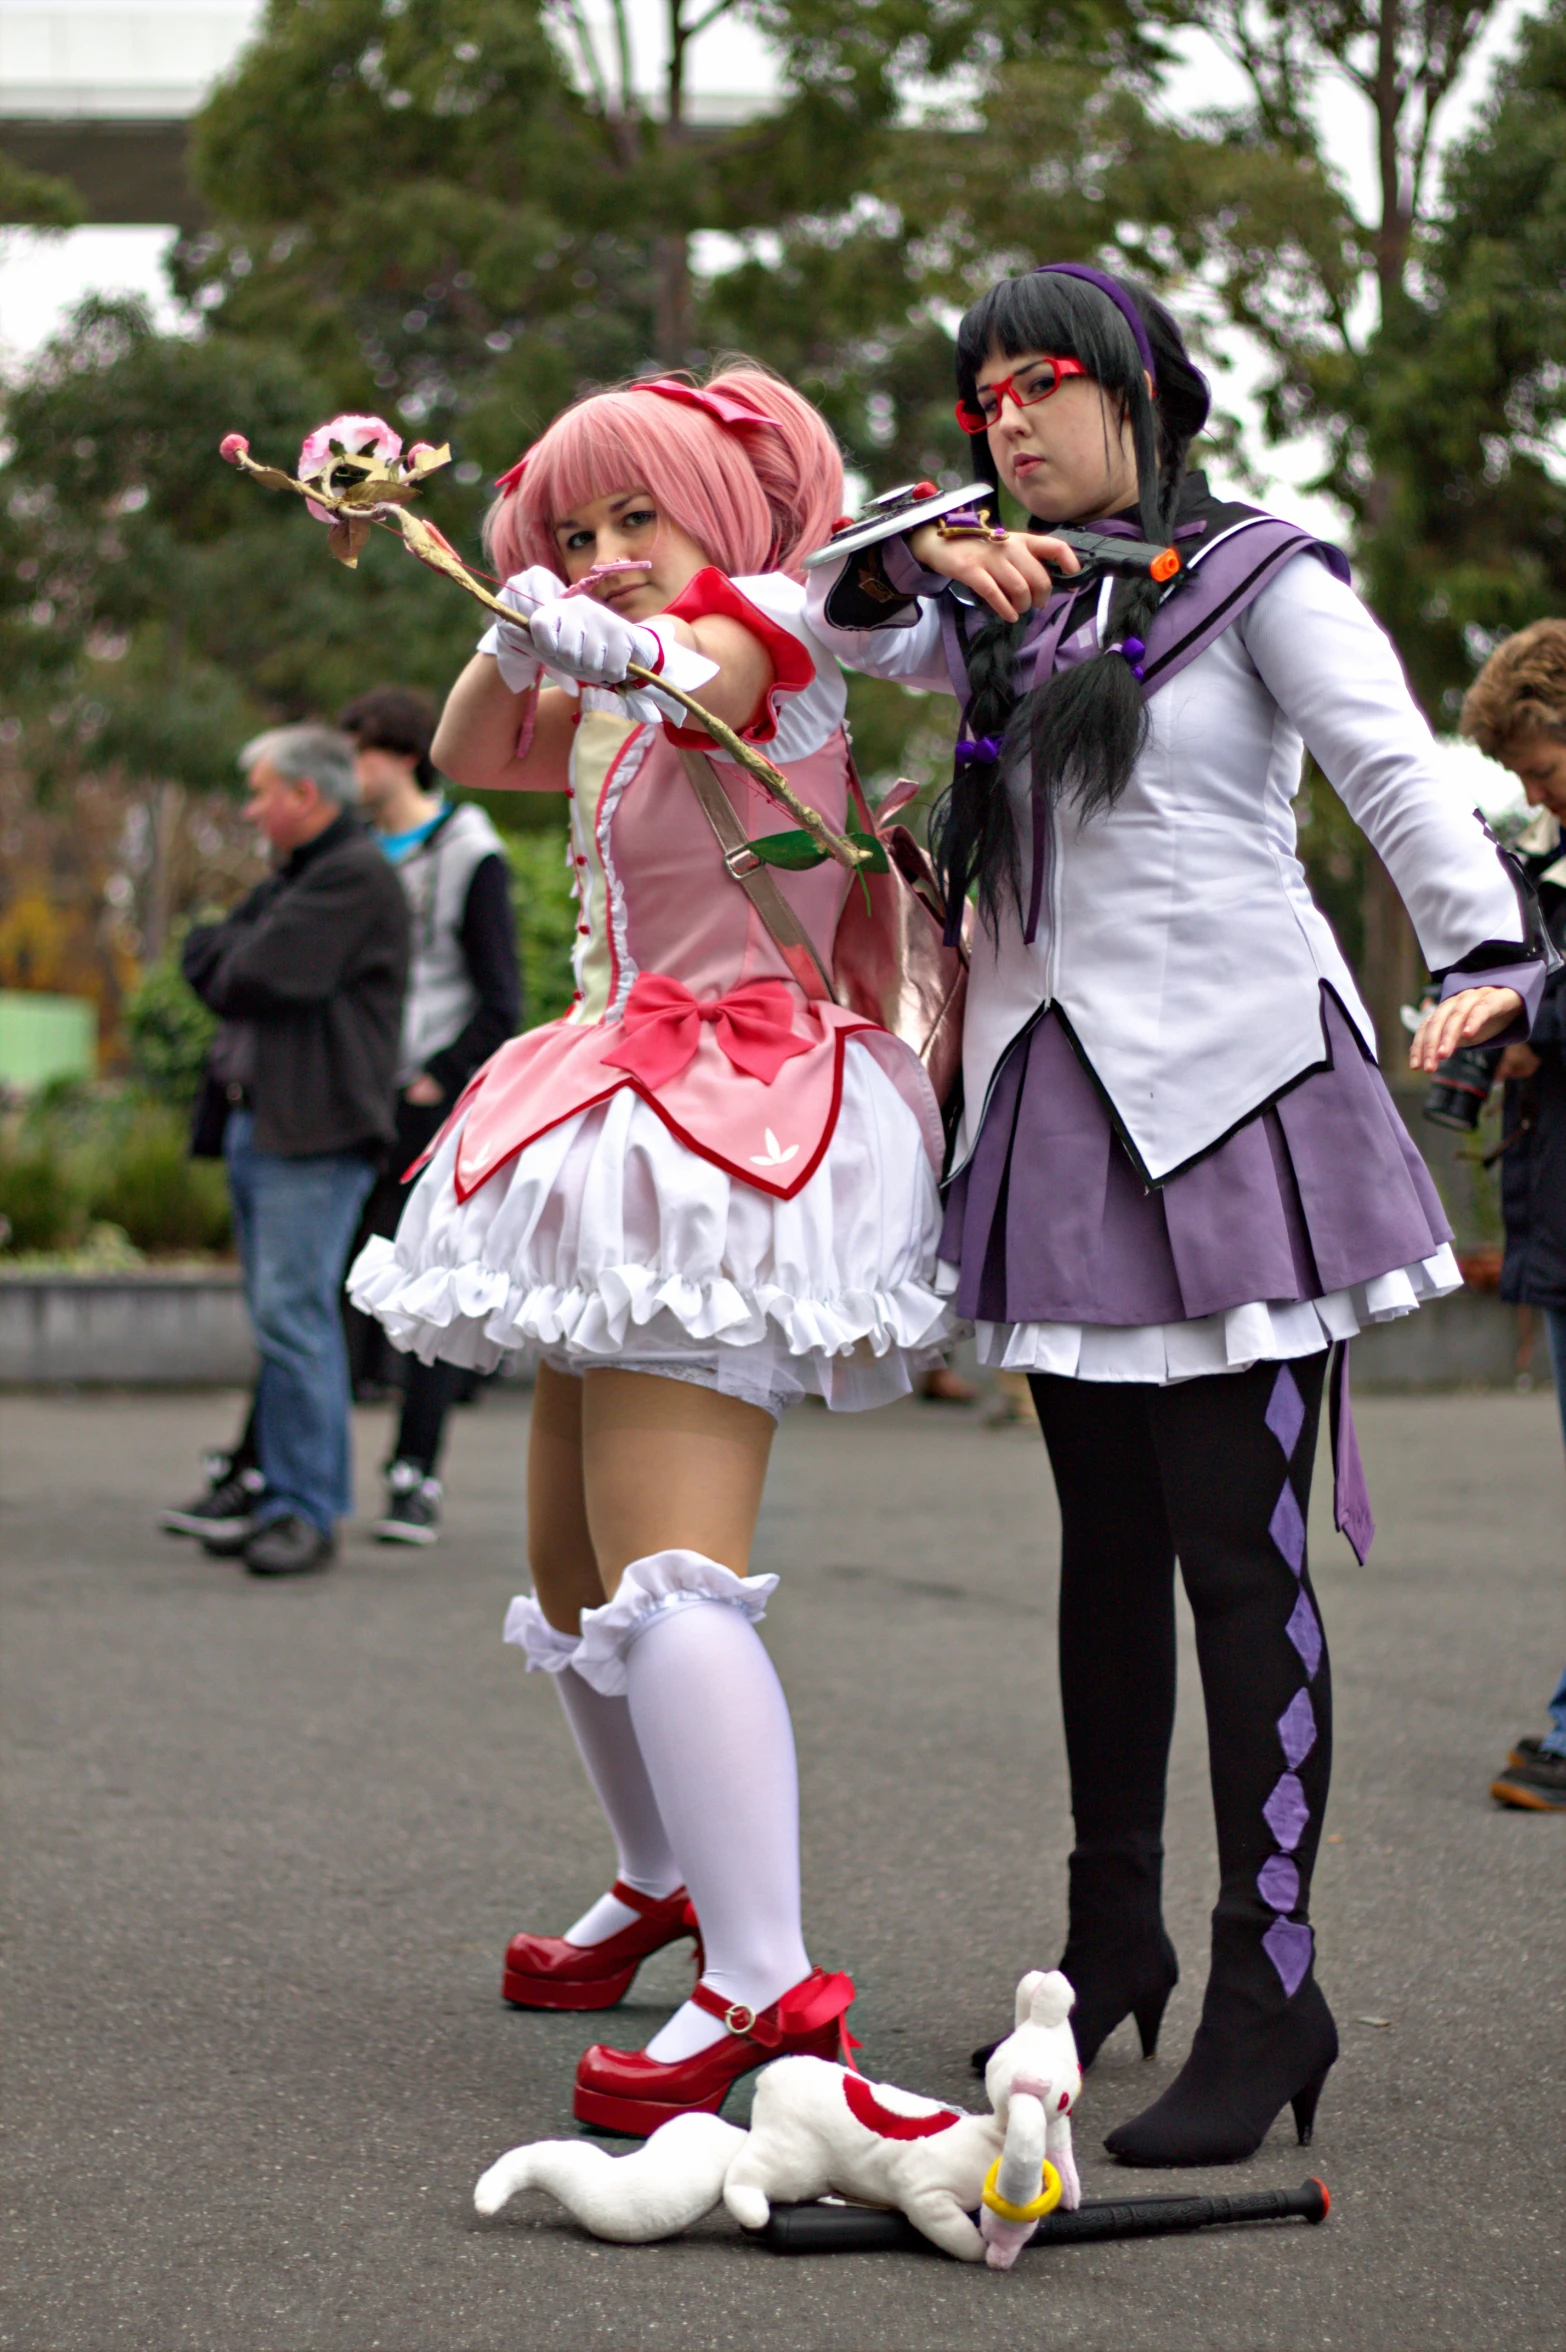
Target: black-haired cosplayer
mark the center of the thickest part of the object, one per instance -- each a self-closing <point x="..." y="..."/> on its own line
<point x="1179" y="1177"/>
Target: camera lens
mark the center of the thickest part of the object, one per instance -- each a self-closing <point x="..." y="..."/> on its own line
<point x="1461" y="1087"/>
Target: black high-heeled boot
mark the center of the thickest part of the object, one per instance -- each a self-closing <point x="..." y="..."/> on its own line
<point x="1117" y="1690"/>
<point x="1236" y="1466"/>
<point x="1118" y="1955"/>
<point x="1255" y="2052"/>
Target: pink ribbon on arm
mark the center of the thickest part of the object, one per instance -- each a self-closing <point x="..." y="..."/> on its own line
<point x="660" y="1029"/>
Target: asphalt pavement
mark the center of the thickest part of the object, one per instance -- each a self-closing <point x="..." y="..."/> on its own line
<point x="266" y="1845"/>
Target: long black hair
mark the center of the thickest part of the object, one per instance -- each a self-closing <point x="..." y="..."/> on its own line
<point x="1086" y="726"/>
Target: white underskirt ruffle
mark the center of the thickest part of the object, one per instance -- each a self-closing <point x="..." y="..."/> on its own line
<point x="1264" y="1331"/>
<point x="608" y="1242"/>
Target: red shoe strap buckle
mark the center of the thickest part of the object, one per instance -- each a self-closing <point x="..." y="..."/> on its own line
<point x="812" y="2003"/>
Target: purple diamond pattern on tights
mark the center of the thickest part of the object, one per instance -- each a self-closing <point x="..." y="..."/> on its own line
<point x="1279" y="1883"/>
<point x="1288" y="1947"/>
<point x="1297" y="1729"/>
<point x="1285" y="1415"/>
<point x="1287" y="1529"/>
<point x="1305" y="1633"/>
<point x="1286" y="1812"/>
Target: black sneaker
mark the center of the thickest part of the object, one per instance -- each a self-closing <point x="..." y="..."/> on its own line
<point x="1538" y="1784"/>
<point x="1525" y="1752"/>
<point x="412" y="1507"/>
<point x="228" y="1507"/>
<point x="290" y="1546"/>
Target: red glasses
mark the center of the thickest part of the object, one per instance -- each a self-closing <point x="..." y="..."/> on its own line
<point x="1027" y="388"/>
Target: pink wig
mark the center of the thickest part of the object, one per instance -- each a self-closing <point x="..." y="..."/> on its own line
<point x="756" y="492"/>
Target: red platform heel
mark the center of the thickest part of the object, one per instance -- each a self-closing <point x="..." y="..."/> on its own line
<point x="545" y="1972"/>
<point x="626" y="2091"/>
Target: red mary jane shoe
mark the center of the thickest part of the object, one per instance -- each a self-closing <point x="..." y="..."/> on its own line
<point x="626" y="2091"/>
<point x="545" y="1972"/>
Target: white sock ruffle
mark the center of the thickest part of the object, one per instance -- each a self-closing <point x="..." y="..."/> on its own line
<point x="652" y="1588"/>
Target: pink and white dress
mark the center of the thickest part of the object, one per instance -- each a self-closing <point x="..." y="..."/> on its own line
<point x="698" y="1172"/>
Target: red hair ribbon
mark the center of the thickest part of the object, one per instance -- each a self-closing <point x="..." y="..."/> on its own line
<point x="732" y="410"/>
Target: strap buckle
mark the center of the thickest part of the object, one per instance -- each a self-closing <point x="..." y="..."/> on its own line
<point x="739" y="2017"/>
<point x="741" y="860"/>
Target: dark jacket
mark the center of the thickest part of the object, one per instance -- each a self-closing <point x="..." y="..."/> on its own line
<point x="1533" y="1127"/>
<point x="314" y="963"/>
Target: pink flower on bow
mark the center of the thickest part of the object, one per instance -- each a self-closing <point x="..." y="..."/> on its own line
<point x="360" y="435"/>
<point x="661" y="1029"/>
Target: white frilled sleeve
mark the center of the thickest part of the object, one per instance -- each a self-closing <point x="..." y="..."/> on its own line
<point x="908" y="649"/>
<point x="1335" y="676"/>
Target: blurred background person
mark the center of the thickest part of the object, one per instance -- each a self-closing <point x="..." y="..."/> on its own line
<point x="1516" y="711"/>
<point x="307" y="975"/>
<point x="464" y="999"/>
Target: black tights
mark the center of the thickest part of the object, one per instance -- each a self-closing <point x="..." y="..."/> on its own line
<point x="1199" y="1471"/>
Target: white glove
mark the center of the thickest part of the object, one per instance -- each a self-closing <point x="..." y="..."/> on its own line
<point x="509" y="641"/>
<point x="585" y="641"/>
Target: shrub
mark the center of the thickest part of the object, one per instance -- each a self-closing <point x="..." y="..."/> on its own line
<point x="146" y="1182"/>
<point x="546" y="922"/>
<point x="169" y="1029"/>
<point x="78" y="1160"/>
<point x="43" y="1197"/>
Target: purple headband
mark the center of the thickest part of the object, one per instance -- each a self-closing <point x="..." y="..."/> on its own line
<point x="1117" y="295"/>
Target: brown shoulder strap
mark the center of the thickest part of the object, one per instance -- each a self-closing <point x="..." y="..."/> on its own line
<point x="789" y="935"/>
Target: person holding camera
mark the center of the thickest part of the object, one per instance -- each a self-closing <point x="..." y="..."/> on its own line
<point x="1515" y="711"/>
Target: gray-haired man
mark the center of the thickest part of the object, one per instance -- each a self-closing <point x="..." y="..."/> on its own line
<point x="308" y="976"/>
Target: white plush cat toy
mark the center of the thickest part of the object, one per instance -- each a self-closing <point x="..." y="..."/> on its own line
<point x="819" y="2130"/>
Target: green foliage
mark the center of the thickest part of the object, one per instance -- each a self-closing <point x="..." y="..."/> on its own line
<point x="43" y="1197"/>
<point x="155" y="608"/>
<point x="1470" y="391"/>
<point x="147" y="1184"/>
<point x="36" y="200"/>
<point x="546" y="922"/>
<point x="168" y="1029"/>
<point x="1332" y="850"/>
<point x="77" y="1160"/>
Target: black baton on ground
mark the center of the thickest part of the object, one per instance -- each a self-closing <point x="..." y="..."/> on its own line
<point x="861" y="2229"/>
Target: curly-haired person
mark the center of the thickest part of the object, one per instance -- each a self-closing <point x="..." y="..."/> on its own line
<point x="1516" y="711"/>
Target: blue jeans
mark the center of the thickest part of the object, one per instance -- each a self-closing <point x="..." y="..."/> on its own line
<point x="295" y="1220"/>
<point x="1555" y="1324"/>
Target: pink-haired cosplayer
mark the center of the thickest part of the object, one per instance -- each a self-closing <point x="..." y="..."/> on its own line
<point x="704" y="1193"/>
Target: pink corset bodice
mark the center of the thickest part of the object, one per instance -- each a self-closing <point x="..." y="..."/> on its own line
<point x="682" y="992"/>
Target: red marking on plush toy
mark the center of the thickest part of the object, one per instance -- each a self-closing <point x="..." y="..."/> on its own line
<point x="866" y="2108"/>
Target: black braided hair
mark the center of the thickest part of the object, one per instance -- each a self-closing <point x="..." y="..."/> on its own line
<point x="1086" y="726"/>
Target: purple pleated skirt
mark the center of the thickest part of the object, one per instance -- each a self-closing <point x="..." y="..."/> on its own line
<point x="1050" y="1223"/>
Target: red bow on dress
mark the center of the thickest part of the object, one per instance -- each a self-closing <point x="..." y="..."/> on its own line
<point x="661" y="1029"/>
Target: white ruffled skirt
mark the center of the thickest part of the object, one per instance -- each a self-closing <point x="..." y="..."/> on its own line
<point x="608" y="1243"/>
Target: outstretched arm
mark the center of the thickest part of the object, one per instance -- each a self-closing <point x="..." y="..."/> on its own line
<point x="1333" y="672"/>
<point x="493" y="740"/>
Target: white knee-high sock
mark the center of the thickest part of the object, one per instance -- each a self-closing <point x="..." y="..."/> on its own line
<point x="713" y="1728"/>
<point x="607" y="1744"/>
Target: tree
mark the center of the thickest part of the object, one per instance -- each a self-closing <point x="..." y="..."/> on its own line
<point x="1470" y="390"/>
<point x="36" y="200"/>
<point x="155" y="610"/>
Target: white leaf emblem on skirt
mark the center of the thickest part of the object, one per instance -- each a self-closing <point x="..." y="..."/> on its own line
<point x="775" y="1156"/>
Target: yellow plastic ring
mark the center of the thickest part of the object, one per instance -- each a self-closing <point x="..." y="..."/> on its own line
<point x="1045" y="2202"/>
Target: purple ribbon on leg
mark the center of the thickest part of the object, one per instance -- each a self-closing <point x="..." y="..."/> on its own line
<point x="1351" y="1510"/>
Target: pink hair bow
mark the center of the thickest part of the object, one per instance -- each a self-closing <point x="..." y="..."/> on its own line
<point x="661" y="1029"/>
<point x="513" y="475"/>
<point x="732" y="410"/>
